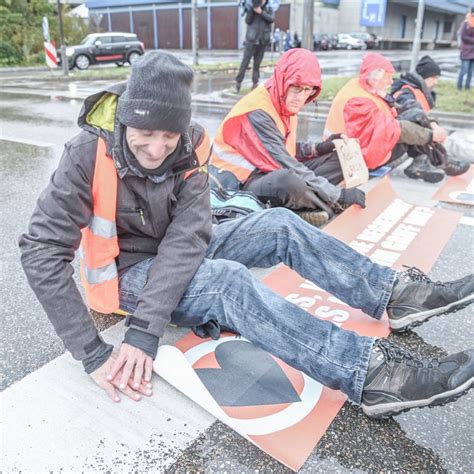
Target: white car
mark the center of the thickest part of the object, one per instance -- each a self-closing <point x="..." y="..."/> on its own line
<point x="345" y="41"/>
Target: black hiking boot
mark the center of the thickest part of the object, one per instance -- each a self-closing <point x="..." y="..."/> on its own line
<point x="415" y="298"/>
<point x="398" y="381"/>
<point x="421" y="168"/>
<point x="455" y="167"/>
<point x="315" y="217"/>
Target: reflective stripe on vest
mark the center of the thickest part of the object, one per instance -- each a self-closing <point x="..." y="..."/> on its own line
<point x="419" y="96"/>
<point x="99" y="245"/>
<point x="228" y="158"/>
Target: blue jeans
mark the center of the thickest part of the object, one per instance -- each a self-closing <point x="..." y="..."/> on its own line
<point x="225" y="290"/>
<point x="466" y="68"/>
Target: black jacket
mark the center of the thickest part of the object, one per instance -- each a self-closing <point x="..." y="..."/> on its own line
<point x="259" y="28"/>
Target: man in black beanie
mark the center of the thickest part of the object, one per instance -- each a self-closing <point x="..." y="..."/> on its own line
<point x="414" y="93"/>
<point x="132" y="191"/>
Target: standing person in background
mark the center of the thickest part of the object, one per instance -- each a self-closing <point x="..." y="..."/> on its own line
<point x="466" y="36"/>
<point x="277" y="39"/>
<point x="257" y="38"/>
<point x="287" y="41"/>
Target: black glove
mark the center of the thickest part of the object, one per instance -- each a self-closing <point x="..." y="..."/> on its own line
<point x="327" y="146"/>
<point x="352" y="196"/>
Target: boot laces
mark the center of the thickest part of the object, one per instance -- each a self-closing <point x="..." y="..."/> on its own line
<point x="414" y="274"/>
<point x="395" y="354"/>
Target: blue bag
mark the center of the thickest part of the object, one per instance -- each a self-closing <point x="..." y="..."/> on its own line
<point x="227" y="205"/>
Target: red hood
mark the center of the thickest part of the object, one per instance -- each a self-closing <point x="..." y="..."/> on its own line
<point x="371" y="62"/>
<point x="296" y="67"/>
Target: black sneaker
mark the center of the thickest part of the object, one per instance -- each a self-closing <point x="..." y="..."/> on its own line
<point x="421" y="168"/>
<point x="455" y="167"/>
<point x="415" y="298"/>
<point x="315" y="218"/>
<point x="398" y="381"/>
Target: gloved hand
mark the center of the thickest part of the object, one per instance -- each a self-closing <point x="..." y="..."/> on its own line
<point x="352" y="196"/>
<point x="327" y="145"/>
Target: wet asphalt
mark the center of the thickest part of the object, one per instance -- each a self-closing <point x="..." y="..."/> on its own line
<point x="36" y="119"/>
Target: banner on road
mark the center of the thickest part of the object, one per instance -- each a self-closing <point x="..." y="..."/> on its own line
<point x="278" y="408"/>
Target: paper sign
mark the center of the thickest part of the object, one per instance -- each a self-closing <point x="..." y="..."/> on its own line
<point x="352" y="162"/>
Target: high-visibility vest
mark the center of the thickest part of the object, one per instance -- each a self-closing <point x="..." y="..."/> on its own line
<point x="99" y="244"/>
<point x="335" y="121"/>
<point x="228" y="158"/>
<point x="419" y="96"/>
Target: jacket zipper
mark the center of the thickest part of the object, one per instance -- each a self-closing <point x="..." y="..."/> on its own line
<point x="139" y="210"/>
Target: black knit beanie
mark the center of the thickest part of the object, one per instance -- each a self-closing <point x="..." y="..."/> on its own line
<point x="426" y="67"/>
<point x="158" y="94"/>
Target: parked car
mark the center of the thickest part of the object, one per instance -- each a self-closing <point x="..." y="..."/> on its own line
<point x="100" y="48"/>
<point x="321" y="41"/>
<point x="345" y="41"/>
<point x="369" y="39"/>
<point x="332" y="41"/>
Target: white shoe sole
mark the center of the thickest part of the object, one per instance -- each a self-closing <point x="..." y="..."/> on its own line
<point x="416" y="319"/>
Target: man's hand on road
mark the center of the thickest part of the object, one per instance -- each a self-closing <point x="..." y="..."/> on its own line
<point x="109" y="378"/>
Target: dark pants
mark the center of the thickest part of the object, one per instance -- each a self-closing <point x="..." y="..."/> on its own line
<point x="251" y="50"/>
<point x="282" y="188"/>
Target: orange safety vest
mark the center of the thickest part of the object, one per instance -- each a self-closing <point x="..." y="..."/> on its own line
<point x="335" y="121"/>
<point x="419" y="96"/>
<point x="228" y="158"/>
<point x="99" y="244"/>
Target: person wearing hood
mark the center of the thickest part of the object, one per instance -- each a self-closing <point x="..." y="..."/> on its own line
<point x="363" y="109"/>
<point x="257" y="143"/>
<point x="415" y="90"/>
<point x="131" y="191"/>
<point x="466" y="52"/>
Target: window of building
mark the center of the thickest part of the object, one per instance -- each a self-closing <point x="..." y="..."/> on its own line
<point x="448" y="27"/>
<point x="403" y="25"/>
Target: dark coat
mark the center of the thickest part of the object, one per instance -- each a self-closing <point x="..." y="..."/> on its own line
<point x="467" y="41"/>
<point x="259" y="29"/>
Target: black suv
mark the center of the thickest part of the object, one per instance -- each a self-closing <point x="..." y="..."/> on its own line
<point x="99" y="48"/>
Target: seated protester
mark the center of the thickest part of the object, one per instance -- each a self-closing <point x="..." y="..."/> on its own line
<point x="148" y="247"/>
<point x="419" y="86"/>
<point x="257" y="142"/>
<point x="363" y="109"/>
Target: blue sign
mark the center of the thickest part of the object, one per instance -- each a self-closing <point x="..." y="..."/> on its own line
<point x="372" y="12"/>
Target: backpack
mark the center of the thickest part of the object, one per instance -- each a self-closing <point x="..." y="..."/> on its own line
<point x="226" y="205"/>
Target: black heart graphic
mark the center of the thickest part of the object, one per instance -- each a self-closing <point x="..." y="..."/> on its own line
<point x="248" y="376"/>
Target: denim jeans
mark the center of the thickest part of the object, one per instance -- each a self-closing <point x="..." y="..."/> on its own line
<point x="225" y="290"/>
<point x="466" y="69"/>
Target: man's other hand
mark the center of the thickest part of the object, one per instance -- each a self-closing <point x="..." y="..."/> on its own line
<point x="258" y="10"/>
<point x="109" y="378"/>
<point x="352" y="196"/>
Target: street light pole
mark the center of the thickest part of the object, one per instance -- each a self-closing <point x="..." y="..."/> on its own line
<point x="308" y="18"/>
<point x="195" y="31"/>
<point x="64" y="60"/>
<point x="417" y="39"/>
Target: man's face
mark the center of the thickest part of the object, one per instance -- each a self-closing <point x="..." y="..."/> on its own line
<point x="296" y="97"/>
<point x="382" y="85"/>
<point x="151" y="147"/>
<point x="432" y="82"/>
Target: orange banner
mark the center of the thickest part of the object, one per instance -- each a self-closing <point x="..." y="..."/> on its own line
<point x="274" y="406"/>
<point x="458" y="189"/>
